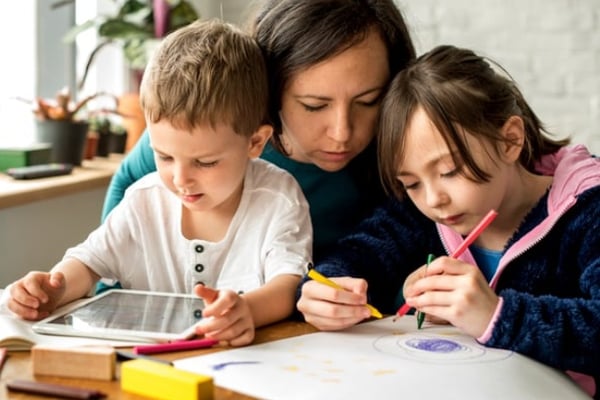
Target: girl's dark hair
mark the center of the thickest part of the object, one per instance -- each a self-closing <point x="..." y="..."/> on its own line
<point x="296" y="34"/>
<point x="460" y="92"/>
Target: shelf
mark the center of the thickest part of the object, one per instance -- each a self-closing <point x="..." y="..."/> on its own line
<point x="91" y="174"/>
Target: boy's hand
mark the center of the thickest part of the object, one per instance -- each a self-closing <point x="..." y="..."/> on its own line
<point x="36" y="295"/>
<point x="330" y="309"/>
<point x="227" y="316"/>
<point x="453" y="291"/>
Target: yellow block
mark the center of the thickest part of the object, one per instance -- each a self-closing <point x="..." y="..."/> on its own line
<point x="160" y="381"/>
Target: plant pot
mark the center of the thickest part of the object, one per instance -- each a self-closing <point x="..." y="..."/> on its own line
<point x="116" y="143"/>
<point x="67" y="138"/>
<point x="103" y="144"/>
<point x="91" y="146"/>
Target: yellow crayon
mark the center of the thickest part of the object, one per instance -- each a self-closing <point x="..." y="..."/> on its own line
<point x="313" y="274"/>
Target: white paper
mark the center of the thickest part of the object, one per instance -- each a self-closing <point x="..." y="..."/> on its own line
<point x="381" y="360"/>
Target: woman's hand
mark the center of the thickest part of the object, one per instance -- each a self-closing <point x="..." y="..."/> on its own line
<point x="331" y="309"/>
<point x="227" y="316"/>
<point x="36" y="295"/>
<point x="453" y="291"/>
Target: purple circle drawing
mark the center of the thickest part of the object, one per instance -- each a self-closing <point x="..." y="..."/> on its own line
<point x="437" y="347"/>
<point x="434" y="345"/>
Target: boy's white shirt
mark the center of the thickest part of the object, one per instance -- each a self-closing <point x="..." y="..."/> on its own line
<point x="141" y="244"/>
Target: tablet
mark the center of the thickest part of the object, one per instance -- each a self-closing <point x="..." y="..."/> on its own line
<point x="131" y="315"/>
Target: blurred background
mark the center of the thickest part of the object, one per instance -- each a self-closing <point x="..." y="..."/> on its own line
<point x="551" y="48"/>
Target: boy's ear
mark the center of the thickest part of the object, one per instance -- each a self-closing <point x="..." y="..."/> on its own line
<point x="258" y="140"/>
<point x="513" y="131"/>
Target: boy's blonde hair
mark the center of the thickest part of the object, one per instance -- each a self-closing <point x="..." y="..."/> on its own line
<point x="207" y="72"/>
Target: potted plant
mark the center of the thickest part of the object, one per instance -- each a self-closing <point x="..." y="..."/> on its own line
<point x="136" y="26"/>
<point x="99" y="130"/>
<point x="62" y="123"/>
<point x="110" y="133"/>
<point x="118" y="138"/>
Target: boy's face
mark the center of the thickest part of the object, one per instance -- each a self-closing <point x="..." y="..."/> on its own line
<point x="205" y="166"/>
<point x="438" y="186"/>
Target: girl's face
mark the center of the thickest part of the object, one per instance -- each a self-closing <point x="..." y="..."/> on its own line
<point x="329" y="110"/>
<point x="439" y="187"/>
<point x="205" y="166"/>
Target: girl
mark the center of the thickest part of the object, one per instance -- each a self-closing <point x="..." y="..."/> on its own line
<point x="458" y="139"/>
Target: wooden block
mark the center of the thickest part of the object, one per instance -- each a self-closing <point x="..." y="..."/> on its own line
<point x="160" y="381"/>
<point x="74" y="362"/>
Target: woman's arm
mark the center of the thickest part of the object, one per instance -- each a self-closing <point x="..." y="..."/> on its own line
<point x="138" y="163"/>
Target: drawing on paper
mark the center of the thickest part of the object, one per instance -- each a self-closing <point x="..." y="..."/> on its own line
<point x="437" y="347"/>
<point x="380" y="359"/>
<point x="218" y="367"/>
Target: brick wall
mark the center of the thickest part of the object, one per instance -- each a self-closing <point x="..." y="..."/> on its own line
<point x="551" y="48"/>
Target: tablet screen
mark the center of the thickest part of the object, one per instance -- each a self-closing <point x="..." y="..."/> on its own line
<point x="128" y="315"/>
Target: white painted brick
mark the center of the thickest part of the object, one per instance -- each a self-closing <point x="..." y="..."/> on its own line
<point x="551" y="48"/>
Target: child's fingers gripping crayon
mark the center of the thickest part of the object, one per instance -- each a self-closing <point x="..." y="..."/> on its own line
<point x="421" y="315"/>
<point x="313" y="274"/>
<point x="489" y="217"/>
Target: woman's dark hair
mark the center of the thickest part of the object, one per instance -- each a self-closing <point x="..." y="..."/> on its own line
<point x="461" y="93"/>
<point x="296" y="34"/>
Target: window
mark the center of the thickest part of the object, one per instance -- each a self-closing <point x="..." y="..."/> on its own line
<point x="17" y="78"/>
<point x="42" y="63"/>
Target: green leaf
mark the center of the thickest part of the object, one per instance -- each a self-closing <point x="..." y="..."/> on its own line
<point x="133" y="27"/>
<point x="181" y="15"/>
<point x="141" y="17"/>
<point x="133" y="6"/>
<point x="118" y="29"/>
<point x="72" y="33"/>
<point x="135" y="53"/>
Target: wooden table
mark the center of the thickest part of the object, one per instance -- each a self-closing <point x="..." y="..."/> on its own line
<point x="91" y="174"/>
<point x="18" y="366"/>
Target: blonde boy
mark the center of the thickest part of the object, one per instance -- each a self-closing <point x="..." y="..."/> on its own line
<point x="213" y="216"/>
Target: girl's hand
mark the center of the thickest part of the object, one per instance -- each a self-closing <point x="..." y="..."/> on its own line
<point x="331" y="309"/>
<point x="36" y="296"/>
<point x="227" y="316"/>
<point x="453" y="291"/>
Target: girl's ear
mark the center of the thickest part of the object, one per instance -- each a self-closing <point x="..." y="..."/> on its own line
<point x="258" y="140"/>
<point x="513" y="131"/>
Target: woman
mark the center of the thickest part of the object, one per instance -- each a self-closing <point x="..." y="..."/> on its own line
<point x="329" y="63"/>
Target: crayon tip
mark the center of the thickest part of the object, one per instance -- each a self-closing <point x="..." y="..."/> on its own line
<point x="420" y="319"/>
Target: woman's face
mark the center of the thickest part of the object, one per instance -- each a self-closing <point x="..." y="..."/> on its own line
<point x="329" y="110"/>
